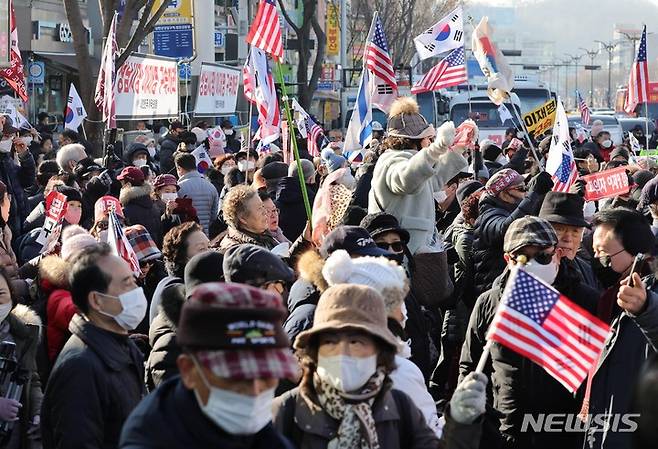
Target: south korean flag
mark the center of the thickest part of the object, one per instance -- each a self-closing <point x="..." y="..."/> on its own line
<point x="445" y="35"/>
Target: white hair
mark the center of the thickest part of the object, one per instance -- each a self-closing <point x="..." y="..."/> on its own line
<point x="71" y="152"/>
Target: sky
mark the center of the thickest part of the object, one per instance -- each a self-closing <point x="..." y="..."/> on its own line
<point x="576" y="23"/>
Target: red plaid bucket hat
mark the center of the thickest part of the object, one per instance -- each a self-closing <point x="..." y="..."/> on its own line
<point x="236" y="332"/>
<point x="142" y="243"/>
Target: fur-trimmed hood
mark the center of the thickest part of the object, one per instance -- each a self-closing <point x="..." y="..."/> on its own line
<point x="26" y="315"/>
<point x="128" y="194"/>
<point x="310" y="266"/>
<point x="54" y="271"/>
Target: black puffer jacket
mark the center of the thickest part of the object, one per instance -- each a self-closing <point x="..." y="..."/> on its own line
<point x="289" y="200"/>
<point x="140" y="208"/>
<point x="519" y="385"/>
<point x="490" y="227"/>
<point x="95" y="384"/>
<point x="168" y="147"/>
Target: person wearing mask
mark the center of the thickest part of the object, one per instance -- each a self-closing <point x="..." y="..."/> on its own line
<point x="447" y="206"/>
<point x="195" y="186"/>
<point x="69" y="155"/>
<point x="631" y="309"/>
<point x="520" y="387"/>
<point x="232" y="142"/>
<point x="605" y="145"/>
<point x="180" y="244"/>
<point x="138" y="205"/>
<point x="214" y="403"/>
<point x="168" y="147"/>
<point x="165" y="194"/>
<point x="345" y="398"/>
<point x="288" y="198"/>
<point x="506" y="199"/>
<point x="411" y="170"/>
<point x="246" y="164"/>
<point x="97" y="379"/>
<point x="390" y="280"/>
<point x="565" y="213"/>
<point x="138" y="155"/>
<point x="16" y="172"/>
<point x="244" y="213"/>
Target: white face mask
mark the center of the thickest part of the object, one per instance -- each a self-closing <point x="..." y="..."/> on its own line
<point x="225" y="169"/>
<point x="606" y="143"/>
<point x="228" y="132"/>
<point x="237" y="414"/>
<point x="440" y="196"/>
<point x="151" y="151"/>
<point x="5" y="146"/>
<point x="4" y="310"/>
<point x="134" y="307"/>
<point x="27" y="140"/>
<point x="546" y="273"/>
<point x="502" y="159"/>
<point x="166" y="197"/>
<point x="243" y="165"/>
<point x="139" y="163"/>
<point x="346" y="373"/>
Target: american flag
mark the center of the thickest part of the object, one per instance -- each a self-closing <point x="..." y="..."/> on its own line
<point x="451" y="71"/>
<point x="104" y="96"/>
<point x="120" y="245"/>
<point x="584" y="110"/>
<point x="265" y="32"/>
<point x="313" y="133"/>
<point x="638" y="81"/>
<point x="378" y="61"/>
<point x="539" y="323"/>
<point x="248" y="82"/>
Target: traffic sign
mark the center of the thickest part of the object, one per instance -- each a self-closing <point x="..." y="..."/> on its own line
<point x="185" y="71"/>
<point x="220" y="39"/>
<point x="36" y="72"/>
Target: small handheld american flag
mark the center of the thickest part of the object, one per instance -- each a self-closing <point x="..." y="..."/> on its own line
<point x="120" y="245"/>
<point x="451" y="71"/>
<point x="538" y="322"/>
<point x="584" y="110"/>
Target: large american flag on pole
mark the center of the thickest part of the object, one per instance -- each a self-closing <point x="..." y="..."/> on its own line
<point x="104" y="96"/>
<point x="265" y="32"/>
<point x="383" y="84"/>
<point x="584" y="110"/>
<point x="451" y="71"/>
<point x="545" y="326"/>
<point x="638" y="81"/>
<point x="561" y="164"/>
<point x="119" y="243"/>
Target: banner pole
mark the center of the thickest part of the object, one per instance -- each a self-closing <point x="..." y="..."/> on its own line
<point x="525" y="130"/>
<point x="291" y="128"/>
<point x="646" y="124"/>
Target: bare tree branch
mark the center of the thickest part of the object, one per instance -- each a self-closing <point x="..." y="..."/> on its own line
<point x="143" y="29"/>
<point x="289" y="20"/>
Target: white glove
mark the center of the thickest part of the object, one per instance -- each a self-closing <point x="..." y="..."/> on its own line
<point x="445" y="135"/>
<point x="469" y="399"/>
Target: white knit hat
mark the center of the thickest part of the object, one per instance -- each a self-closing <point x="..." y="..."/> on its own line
<point x="76" y="243"/>
<point x="377" y="272"/>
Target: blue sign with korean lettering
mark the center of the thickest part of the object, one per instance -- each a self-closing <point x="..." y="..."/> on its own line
<point x="219" y="39"/>
<point x="173" y="41"/>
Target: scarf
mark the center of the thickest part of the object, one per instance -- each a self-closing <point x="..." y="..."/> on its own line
<point x="353" y="410"/>
<point x="241" y="237"/>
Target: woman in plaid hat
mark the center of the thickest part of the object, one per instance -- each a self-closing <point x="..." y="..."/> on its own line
<point x="345" y="398"/>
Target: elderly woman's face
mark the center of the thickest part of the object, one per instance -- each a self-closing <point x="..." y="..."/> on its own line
<point x="348" y="342"/>
<point x="197" y="242"/>
<point x="272" y="215"/>
<point x="255" y="218"/>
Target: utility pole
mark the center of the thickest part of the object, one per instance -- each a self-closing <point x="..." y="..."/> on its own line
<point x="610" y="48"/>
<point x="575" y="59"/>
<point x="566" y="63"/>
<point x="343" y="62"/>
<point x="592" y="55"/>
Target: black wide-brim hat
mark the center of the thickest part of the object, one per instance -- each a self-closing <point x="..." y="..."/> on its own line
<point x="564" y="208"/>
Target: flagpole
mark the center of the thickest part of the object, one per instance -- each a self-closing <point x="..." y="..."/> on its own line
<point x="525" y="130"/>
<point x="646" y="123"/>
<point x="291" y="130"/>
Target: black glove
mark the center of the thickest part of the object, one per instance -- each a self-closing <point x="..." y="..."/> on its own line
<point x="541" y="183"/>
<point x="578" y="187"/>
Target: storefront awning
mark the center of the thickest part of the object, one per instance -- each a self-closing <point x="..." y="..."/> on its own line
<point x="68" y="60"/>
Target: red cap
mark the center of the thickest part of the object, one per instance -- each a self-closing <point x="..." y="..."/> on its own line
<point x="131" y="174"/>
<point x="165" y="180"/>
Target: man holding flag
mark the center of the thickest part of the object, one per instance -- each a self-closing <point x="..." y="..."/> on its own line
<point x="521" y="387"/>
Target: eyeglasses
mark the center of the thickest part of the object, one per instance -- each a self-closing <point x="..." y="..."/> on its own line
<point x="396" y="247"/>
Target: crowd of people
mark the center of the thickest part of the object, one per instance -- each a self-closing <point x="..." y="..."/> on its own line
<point x="250" y="325"/>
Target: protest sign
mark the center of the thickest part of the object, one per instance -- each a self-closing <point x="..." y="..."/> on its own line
<point x="606" y="184"/>
<point x="218" y="90"/>
<point x="541" y="119"/>
<point x="55" y="210"/>
<point x="146" y="87"/>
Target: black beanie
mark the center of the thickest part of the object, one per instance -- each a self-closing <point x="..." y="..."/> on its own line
<point x="71" y="193"/>
<point x="202" y="268"/>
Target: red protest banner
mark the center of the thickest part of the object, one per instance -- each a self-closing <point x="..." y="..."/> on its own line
<point x="606" y="184"/>
<point x="55" y="210"/>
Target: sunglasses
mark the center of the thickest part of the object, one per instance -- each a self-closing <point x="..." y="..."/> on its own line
<point x="540" y="258"/>
<point x="396" y="247"/>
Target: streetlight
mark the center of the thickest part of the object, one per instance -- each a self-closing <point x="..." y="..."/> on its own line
<point x="610" y="48"/>
<point x="575" y="59"/>
<point x="592" y="55"/>
<point x="566" y="63"/>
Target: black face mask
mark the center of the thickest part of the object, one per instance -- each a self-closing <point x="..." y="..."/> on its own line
<point x="605" y="274"/>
